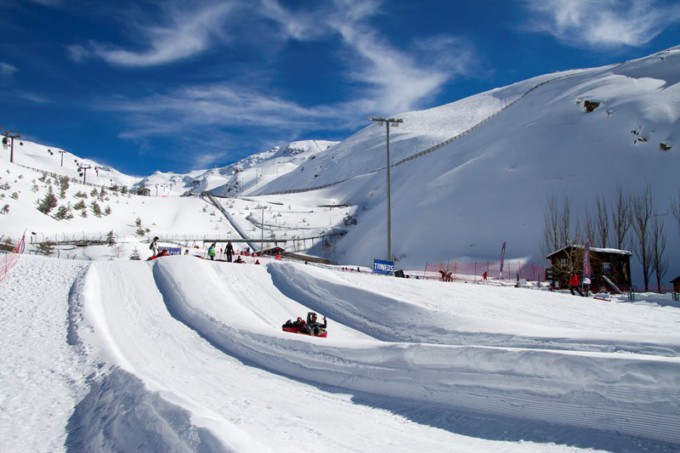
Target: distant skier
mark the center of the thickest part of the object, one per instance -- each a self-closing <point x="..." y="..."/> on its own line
<point x="230" y="251"/>
<point x="211" y="252"/>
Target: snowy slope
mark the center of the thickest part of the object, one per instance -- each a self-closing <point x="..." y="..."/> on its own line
<point x="61" y="162"/>
<point x="182" y="354"/>
<point x="517" y="147"/>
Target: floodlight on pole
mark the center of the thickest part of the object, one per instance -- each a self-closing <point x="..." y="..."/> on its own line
<point x="387" y="122"/>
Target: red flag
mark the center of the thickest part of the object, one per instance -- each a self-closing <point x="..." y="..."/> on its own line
<point x="586" y="261"/>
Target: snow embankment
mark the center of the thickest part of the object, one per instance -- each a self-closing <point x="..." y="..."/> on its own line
<point x="238" y="310"/>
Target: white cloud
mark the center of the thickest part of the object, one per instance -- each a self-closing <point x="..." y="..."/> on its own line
<point x="392" y="80"/>
<point x="184" y="33"/>
<point x="382" y="78"/>
<point x="301" y="25"/>
<point x="204" y="117"/>
<point x="389" y="80"/>
<point x="602" y="23"/>
<point x="48" y="2"/>
<point x="7" y="71"/>
<point x="33" y="97"/>
<point x="214" y="105"/>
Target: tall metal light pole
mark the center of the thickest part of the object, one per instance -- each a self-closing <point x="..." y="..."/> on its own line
<point x="11" y="135"/>
<point x="387" y="122"/>
<point x="262" y="228"/>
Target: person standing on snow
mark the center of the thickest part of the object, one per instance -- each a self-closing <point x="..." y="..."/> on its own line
<point x="586" y="285"/>
<point x="230" y="251"/>
<point x="573" y="284"/>
<point x="211" y="252"/>
<point x="154" y="246"/>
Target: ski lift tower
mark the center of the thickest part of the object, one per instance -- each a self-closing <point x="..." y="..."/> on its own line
<point x="82" y="171"/>
<point x="10" y="135"/>
<point x="387" y="122"/>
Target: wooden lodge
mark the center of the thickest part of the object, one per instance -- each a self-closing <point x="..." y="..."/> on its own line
<point x="609" y="268"/>
<point x="676" y="288"/>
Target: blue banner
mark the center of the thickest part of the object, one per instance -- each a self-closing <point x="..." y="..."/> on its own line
<point x="383" y="267"/>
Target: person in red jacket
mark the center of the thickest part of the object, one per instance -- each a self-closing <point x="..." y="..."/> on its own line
<point x="573" y="284"/>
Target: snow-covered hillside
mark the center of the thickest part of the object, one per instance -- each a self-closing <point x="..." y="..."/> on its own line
<point x="467" y="176"/>
<point x="92" y="202"/>
<point x="516" y="148"/>
<point x="81" y="213"/>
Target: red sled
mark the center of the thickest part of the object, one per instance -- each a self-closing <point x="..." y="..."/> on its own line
<point x="162" y="253"/>
<point x="292" y="329"/>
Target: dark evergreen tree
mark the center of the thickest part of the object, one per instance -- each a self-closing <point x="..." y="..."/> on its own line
<point x="48" y="203"/>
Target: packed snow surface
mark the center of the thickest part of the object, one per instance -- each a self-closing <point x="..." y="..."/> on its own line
<point x="182" y="354"/>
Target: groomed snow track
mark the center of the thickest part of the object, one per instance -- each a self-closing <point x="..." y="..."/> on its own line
<point x="238" y="310"/>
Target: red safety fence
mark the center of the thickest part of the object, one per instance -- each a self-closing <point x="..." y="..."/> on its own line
<point x="486" y="270"/>
<point x="11" y="258"/>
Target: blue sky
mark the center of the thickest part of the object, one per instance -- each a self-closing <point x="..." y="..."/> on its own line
<point x="181" y="85"/>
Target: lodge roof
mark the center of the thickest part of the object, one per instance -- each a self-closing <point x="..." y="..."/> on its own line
<point x="607" y="251"/>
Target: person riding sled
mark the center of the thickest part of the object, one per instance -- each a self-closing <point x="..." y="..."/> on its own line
<point x="315" y="326"/>
<point x="301" y="325"/>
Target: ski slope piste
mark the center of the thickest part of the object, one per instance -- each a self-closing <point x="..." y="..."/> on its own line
<point x="388" y="342"/>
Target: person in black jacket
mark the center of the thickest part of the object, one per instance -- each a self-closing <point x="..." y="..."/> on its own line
<point x="230" y="251"/>
<point x="154" y="246"/>
<point x="301" y="325"/>
<point x="314" y="325"/>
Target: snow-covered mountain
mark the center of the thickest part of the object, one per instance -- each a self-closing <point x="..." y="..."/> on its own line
<point x="511" y="151"/>
<point x="478" y="172"/>
<point x="92" y="201"/>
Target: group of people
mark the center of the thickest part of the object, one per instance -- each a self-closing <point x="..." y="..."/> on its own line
<point x="229" y="250"/>
<point x="312" y="326"/>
